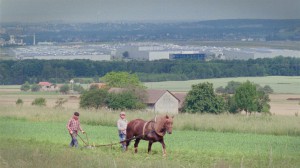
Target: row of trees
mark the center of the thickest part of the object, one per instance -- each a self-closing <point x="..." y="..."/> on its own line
<point x="233" y="85"/>
<point x="26" y="87"/>
<point x="247" y="96"/>
<point x="59" y="71"/>
<point x="64" y="89"/>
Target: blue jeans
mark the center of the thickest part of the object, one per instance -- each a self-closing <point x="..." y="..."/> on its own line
<point x="74" y="141"/>
<point x="122" y="138"/>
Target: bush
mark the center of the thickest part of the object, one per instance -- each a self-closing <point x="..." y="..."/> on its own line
<point x="267" y="89"/>
<point x="78" y="88"/>
<point x="124" y="100"/>
<point x="94" y="87"/>
<point x="95" y="98"/>
<point x="39" y="102"/>
<point x="35" y="88"/>
<point x="19" y="102"/>
<point x="59" y="102"/>
<point x="232" y="106"/>
<point x="25" y="87"/>
<point x="64" y="89"/>
<point x="203" y="99"/>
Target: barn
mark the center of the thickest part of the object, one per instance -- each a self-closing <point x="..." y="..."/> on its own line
<point x="162" y="101"/>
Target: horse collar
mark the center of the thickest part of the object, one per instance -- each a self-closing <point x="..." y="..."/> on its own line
<point x="144" y="128"/>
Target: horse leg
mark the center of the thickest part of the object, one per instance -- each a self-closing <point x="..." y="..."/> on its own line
<point x="149" y="146"/>
<point x="128" y="136"/>
<point x="136" y="144"/>
<point x="164" y="147"/>
<point x="127" y="144"/>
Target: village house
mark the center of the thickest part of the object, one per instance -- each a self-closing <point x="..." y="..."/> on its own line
<point x="47" y="86"/>
<point x="162" y="101"/>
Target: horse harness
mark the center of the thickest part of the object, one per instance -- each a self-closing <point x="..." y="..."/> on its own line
<point x="152" y="128"/>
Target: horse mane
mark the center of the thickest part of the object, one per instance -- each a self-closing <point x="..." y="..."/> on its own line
<point x="159" y="122"/>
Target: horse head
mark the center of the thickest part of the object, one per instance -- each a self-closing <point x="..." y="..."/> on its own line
<point x="163" y="125"/>
<point x="169" y="124"/>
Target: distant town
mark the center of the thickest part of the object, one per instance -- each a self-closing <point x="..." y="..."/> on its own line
<point x="148" y="41"/>
<point x="143" y="51"/>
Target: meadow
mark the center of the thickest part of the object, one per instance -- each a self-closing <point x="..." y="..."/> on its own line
<point x="280" y="84"/>
<point x="33" y="136"/>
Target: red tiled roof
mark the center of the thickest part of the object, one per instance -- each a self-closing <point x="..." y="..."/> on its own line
<point x="45" y="83"/>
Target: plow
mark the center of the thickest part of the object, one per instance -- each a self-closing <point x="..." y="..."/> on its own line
<point x="90" y="146"/>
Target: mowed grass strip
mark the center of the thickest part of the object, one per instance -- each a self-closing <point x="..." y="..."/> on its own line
<point x="186" y="148"/>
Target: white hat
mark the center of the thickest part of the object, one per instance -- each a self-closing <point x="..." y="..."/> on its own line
<point x="122" y="113"/>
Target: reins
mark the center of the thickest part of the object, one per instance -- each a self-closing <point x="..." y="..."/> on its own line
<point x="111" y="144"/>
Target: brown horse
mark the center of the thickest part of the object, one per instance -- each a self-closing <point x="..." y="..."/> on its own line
<point x="152" y="131"/>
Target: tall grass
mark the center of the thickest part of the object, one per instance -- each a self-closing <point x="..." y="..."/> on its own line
<point x="258" y="124"/>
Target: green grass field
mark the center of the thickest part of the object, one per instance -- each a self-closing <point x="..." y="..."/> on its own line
<point x="280" y="84"/>
<point x="37" y="137"/>
<point x="45" y="140"/>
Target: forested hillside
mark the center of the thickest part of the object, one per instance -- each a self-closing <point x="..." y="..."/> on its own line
<point x="33" y="71"/>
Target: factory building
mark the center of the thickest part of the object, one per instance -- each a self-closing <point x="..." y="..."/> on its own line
<point x="156" y="53"/>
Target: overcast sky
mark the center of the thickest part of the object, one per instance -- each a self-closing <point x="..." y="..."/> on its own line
<point x="145" y="10"/>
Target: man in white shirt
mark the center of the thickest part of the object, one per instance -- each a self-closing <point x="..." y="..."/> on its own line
<point x="122" y="125"/>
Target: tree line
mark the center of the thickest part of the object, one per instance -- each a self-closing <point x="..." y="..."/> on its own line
<point x="247" y="96"/>
<point x="131" y="94"/>
<point x="60" y="71"/>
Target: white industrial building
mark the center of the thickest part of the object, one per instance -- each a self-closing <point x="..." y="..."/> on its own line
<point x="151" y="52"/>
